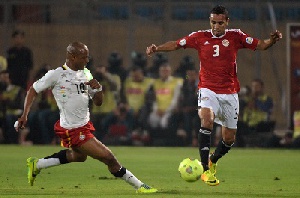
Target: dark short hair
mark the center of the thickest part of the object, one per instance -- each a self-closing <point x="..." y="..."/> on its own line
<point x="17" y="32"/>
<point x="220" y="10"/>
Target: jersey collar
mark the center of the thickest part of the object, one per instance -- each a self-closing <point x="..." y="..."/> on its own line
<point x="213" y="36"/>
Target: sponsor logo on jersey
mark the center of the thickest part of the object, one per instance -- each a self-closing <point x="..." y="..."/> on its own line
<point x="182" y="42"/>
<point x="249" y="40"/>
<point x="225" y="42"/>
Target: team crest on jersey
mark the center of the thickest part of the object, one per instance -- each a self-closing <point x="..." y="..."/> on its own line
<point x="225" y="42"/>
<point x="249" y="40"/>
<point x="182" y="42"/>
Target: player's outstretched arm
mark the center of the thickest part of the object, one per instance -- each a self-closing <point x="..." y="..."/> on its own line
<point x="267" y="43"/>
<point x="168" y="46"/>
<point x="31" y="95"/>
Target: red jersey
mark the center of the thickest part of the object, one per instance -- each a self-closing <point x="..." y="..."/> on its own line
<point x="218" y="68"/>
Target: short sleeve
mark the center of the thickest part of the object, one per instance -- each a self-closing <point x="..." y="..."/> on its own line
<point x="47" y="81"/>
<point x="247" y="41"/>
<point x="189" y="41"/>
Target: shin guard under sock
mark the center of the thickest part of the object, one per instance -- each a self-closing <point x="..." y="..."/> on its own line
<point x="204" y="146"/>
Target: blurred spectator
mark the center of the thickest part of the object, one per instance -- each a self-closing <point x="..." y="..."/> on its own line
<point x="118" y="125"/>
<point x="135" y="88"/>
<point x="115" y="66"/>
<point x="111" y="90"/>
<point x="44" y="114"/>
<point x="243" y="129"/>
<point x="19" y="60"/>
<point x="167" y="90"/>
<point x="296" y="129"/>
<point x="290" y="139"/>
<point x="259" y="105"/>
<point x="187" y="115"/>
<point x="186" y="63"/>
<point x="255" y="124"/>
<point x="139" y="60"/>
<point x="47" y="117"/>
<point x="11" y="99"/>
<point x="3" y="63"/>
<point x="244" y="94"/>
<point x="158" y="60"/>
<point x="3" y="78"/>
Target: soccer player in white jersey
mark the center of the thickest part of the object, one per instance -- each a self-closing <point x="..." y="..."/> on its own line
<point x="218" y="83"/>
<point x="72" y="86"/>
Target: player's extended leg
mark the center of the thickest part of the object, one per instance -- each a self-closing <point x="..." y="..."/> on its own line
<point x="204" y="139"/>
<point x="204" y="136"/>
<point x="34" y="165"/>
<point x="95" y="149"/>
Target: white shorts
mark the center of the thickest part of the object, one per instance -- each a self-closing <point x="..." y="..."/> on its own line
<point x="224" y="106"/>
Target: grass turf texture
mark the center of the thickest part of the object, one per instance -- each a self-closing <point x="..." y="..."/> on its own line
<point x="242" y="173"/>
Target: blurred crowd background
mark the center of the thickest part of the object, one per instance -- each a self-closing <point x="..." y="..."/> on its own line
<point x="149" y="101"/>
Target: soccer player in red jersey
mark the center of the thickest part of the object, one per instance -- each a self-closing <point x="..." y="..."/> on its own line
<point x="218" y="83"/>
<point x="73" y="85"/>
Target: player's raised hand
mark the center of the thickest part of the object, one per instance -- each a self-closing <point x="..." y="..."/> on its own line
<point x="275" y="36"/>
<point x="151" y="49"/>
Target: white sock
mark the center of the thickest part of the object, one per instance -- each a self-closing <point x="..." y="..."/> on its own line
<point x="131" y="179"/>
<point x="46" y="163"/>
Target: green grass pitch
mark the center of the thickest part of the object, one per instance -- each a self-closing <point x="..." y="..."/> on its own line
<point x="242" y="173"/>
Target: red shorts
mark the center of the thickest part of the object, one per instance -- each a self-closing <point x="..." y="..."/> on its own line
<point x="74" y="137"/>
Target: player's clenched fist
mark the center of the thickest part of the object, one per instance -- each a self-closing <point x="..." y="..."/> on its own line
<point x="94" y="84"/>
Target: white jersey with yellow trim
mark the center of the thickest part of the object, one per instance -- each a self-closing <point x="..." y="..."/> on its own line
<point x="71" y="94"/>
